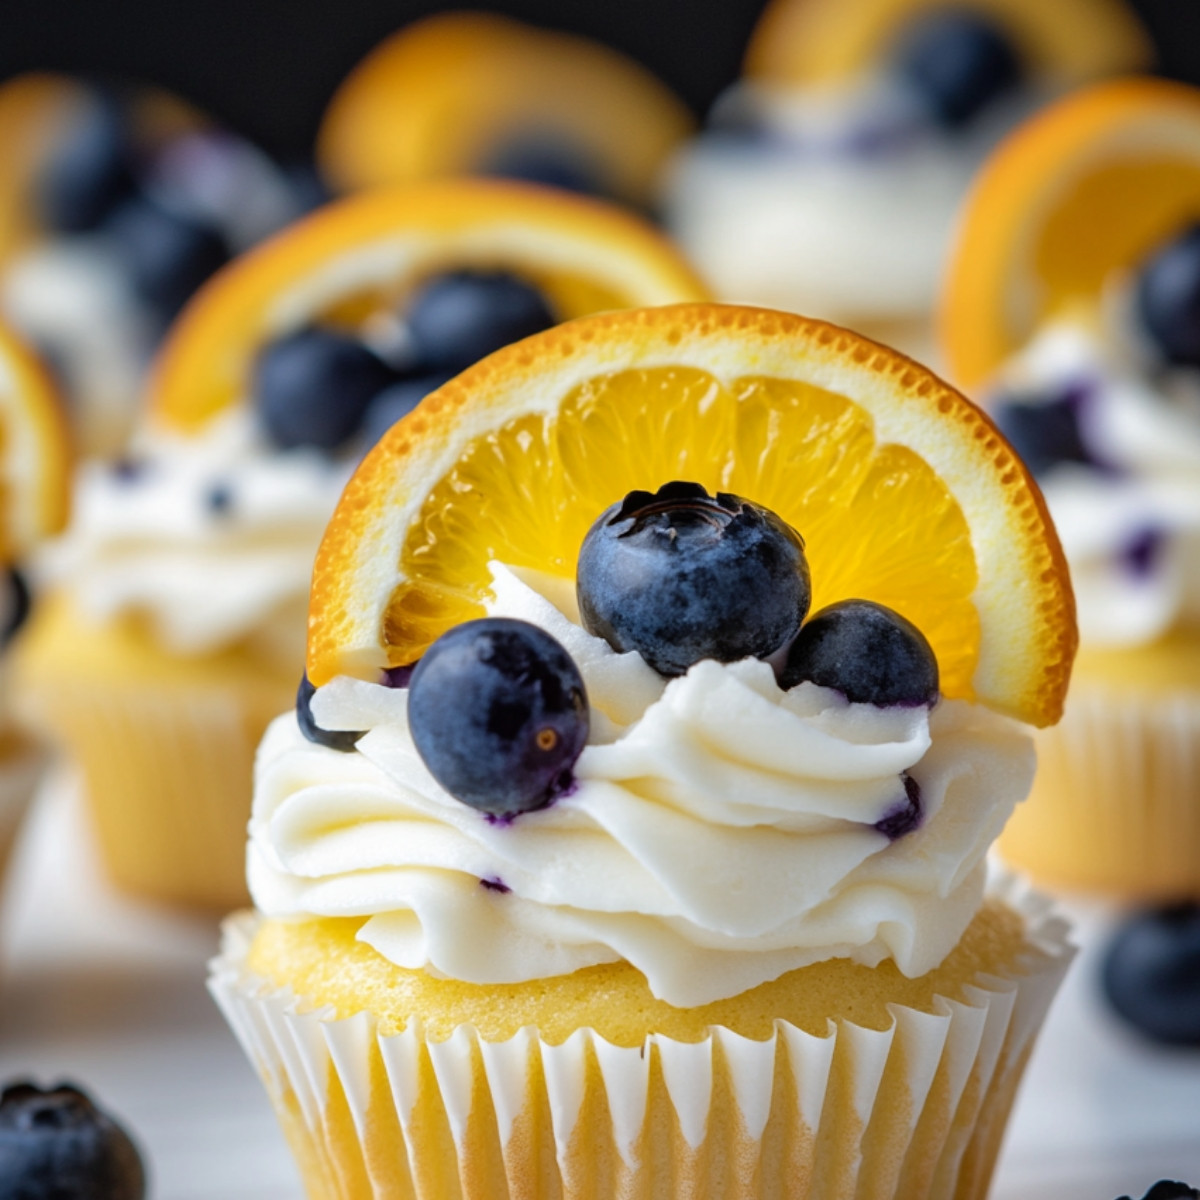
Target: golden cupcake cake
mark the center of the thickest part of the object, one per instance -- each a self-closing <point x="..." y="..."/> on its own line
<point x="472" y="93"/>
<point x="117" y="203"/>
<point x="35" y="467"/>
<point x="830" y="174"/>
<point x="1070" y="309"/>
<point x="176" y="629"/>
<point x="669" y="675"/>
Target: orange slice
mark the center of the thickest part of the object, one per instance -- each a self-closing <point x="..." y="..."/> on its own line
<point x="807" y="42"/>
<point x="433" y="99"/>
<point x="35" y="456"/>
<point x="1087" y="187"/>
<point x="903" y="490"/>
<point x="368" y="251"/>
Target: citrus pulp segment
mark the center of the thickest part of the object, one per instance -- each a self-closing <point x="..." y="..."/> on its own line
<point x="433" y="99"/>
<point x="35" y="455"/>
<point x="903" y="490"/>
<point x="806" y="42"/>
<point x="1087" y="187"/>
<point x="370" y="250"/>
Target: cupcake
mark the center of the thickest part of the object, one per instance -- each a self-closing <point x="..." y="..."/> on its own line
<point x="118" y="203"/>
<point x="471" y="93"/>
<point x="630" y="835"/>
<point x="35" y="464"/>
<point x="1070" y="309"/>
<point x="830" y="175"/>
<point x="176" y="628"/>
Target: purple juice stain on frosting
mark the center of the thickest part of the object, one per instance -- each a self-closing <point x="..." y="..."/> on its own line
<point x="906" y="815"/>
<point x="494" y="883"/>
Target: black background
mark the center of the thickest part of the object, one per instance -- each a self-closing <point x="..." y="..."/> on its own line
<point x="266" y="67"/>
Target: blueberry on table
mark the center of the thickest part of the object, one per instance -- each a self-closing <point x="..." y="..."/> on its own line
<point x="1045" y="430"/>
<point x="1167" y="298"/>
<point x="1168" y="1189"/>
<point x="957" y="62"/>
<point x="866" y="651"/>
<point x="460" y="317"/>
<point x="335" y="739"/>
<point x="167" y="253"/>
<point x="312" y="387"/>
<point x="89" y="172"/>
<point x="396" y="401"/>
<point x="1151" y="973"/>
<point x="679" y="576"/>
<point x="498" y="712"/>
<point x="55" y="1144"/>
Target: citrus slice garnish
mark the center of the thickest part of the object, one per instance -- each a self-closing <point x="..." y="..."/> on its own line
<point x="903" y="491"/>
<point x="438" y="97"/>
<point x="1064" y="42"/>
<point x="35" y="454"/>
<point x="369" y="251"/>
<point x="1086" y="188"/>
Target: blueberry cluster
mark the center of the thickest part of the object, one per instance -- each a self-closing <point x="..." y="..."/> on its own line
<point x="498" y="709"/>
<point x="56" y="1144"/>
<point x="324" y="387"/>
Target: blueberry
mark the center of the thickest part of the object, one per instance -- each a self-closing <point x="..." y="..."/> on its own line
<point x="1151" y="973"/>
<point x="1167" y="298"/>
<point x="398" y="401"/>
<point x="498" y="712"/>
<point x="906" y="815"/>
<point x="458" y="318"/>
<point x="546" y="160"/>
<point x="55" y="1144"/>
<point x="20" y="603"/>
<point x="868" y="652"/>
<point x="167" y="253"/>
<point x="219" y="499"/>
<point x="1045" y="430"/>
<point x="335" y="739"/>
<point x="1167" y="1189"/>
<point x="313" y="387"/>
<point x="89" y="173"/>
<point x="957" y="62"/>
<point x="680" y="576"/>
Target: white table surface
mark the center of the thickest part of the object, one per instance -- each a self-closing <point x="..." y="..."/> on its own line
<point x="110" y="994"/>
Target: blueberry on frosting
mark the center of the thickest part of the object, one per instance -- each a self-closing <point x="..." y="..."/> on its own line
<point x="1167" y="298"/>
<point x="680" y="576"/>
<point x="335" y="739"/>
<point x="498" y="712"/>
<point x="55" y="1144"/>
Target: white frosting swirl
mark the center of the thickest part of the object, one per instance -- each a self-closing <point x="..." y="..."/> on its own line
<point x="1131" y="530"/>
<point x="721" y="833"/>
<point x="210" y="537"/>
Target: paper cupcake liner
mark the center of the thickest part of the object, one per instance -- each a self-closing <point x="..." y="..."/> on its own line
<point x="1115" y="806"/>
<point x="911" y="1112"/>
<point x="21" y="771"/>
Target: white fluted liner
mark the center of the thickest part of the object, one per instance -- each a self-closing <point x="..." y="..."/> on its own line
<point x="913" y="1111"/>
<point x="1115" y="805"/>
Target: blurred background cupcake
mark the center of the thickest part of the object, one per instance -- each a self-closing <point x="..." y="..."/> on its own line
<point x="177" y="625"/>
<point x="828" y="180"/>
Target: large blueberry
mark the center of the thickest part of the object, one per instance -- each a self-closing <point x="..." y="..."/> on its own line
<point x="167" y="253"/>
<point x="396" y="401"/>
<point x="547" y="160"/>
<point x="458" y="318"/>
<point x="55" y="1144"/>
<point x="498" y="712"/>
<point x="868" y="652"/>
<point x="1167" y="298"/>
<point x="1151" y="973"/>
<point x="1045" y="430"/>
<point x="1169" y="1189"/>
<point x="313" y="387"/>
<point x="679" y="576"/>
<point x="90" y="171"/>
<point x="957" y="62"/>
<point x="335" y="739"/>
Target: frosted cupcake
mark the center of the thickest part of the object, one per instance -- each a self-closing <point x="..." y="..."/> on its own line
<point x="117" y="204"/>
<point x="831" y="174"/>
<point x="1077" y="324"/>
<point x="597" y="869"/>
<point x="177" y="627"/>
<point x="35" y="464"/>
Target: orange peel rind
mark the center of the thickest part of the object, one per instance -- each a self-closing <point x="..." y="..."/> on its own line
<point x="903" y="489"/>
